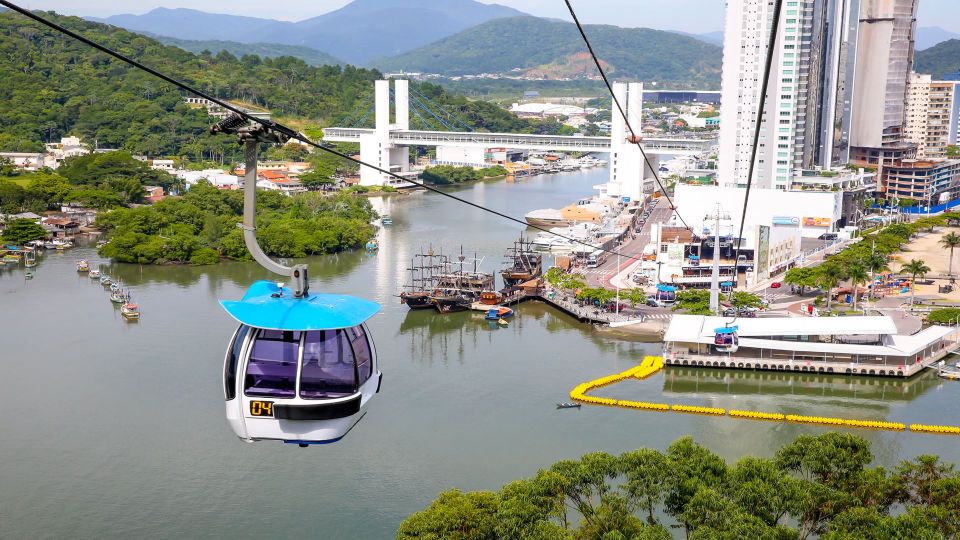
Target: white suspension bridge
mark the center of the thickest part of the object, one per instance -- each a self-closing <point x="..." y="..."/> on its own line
<point x="387" y="145"/>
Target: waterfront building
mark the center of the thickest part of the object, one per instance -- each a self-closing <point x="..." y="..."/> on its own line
<point x="868" y="346"/>
<point x="928" y="115"/>
<point x="807" y="112"/>
<point x="928" y="181"/>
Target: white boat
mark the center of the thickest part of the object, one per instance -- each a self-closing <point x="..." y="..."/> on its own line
<point x="94" y="274"/>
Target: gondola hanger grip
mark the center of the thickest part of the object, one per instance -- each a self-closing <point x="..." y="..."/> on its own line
<point x="251" y="136"/>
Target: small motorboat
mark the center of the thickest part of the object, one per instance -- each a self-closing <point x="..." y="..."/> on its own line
<point x="114" y="287"/>
<point x="372" y="245"/>
<point x="568" y="405"/>
<point x="105" y="280"/>
<point x="498" y="313"/>
<point x="502" y="322"/>
<point x="119" y="297"/>
<point x="83" y="266"/>
<point x="130" y="311"/>
<point x="94" y="274"/>
<point x="386" y="220"/>
<point x="28" y="274"/>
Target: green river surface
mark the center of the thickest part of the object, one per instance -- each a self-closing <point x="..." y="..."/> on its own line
<point x="116" y="430"/>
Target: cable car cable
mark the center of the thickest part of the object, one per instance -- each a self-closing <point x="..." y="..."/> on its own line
<point x="774" y="31"/>
<point x="633" y="134"/>
<point x="288" y="132"/>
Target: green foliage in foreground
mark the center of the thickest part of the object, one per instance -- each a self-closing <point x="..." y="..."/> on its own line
<point x="201" y="227"/>
<point x="21" y="231"/>
<point x="447" y="174"/>
<point x="817" y="486"/>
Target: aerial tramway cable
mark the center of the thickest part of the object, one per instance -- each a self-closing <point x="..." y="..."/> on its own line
<point x="633" y="135"/>
<point x="286" y="131"/>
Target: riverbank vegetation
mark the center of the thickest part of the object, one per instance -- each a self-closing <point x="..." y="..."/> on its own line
<point x="201" y="227"/>
<point x="448" y="174"/>
<point x="817" y="486"/>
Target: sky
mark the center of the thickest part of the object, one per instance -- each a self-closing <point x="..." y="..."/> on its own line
<point x="695" y="16"/>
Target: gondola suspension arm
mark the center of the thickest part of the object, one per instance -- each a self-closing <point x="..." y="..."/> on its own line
<point x="251" y="136"/>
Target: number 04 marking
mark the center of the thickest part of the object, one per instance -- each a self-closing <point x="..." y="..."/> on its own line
<point x="261" y="408"/>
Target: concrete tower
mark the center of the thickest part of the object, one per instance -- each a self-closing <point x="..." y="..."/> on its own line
<point x="375" y="148"/>
<point x="624" y="155"/>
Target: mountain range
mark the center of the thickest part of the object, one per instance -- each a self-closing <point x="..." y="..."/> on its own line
<point x="357" y="33"/>
<point x="263" y="50"/>
<point x="928" y="36"/>
<point x="553" y="49"/>
<point x="939" y="60"/>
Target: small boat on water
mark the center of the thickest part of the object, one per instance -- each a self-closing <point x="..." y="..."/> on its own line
<point x="105" y="280"/>
<point x="498" y="313"/>
<point x="83" y="266"/>
<point x="28" y="274"/>
<point x="130" y="311"/>
<point x="94" y="274"/>
<point x="386" y="220"/>
<point x="502" y="322"/>
<point x="115" y="287"/>
<point x="567" y="405"/>
<point x="30" y="259"/>
<point x="373" y="245"/>
<point x="119" y="297"/>
<point x="490" y="298"/>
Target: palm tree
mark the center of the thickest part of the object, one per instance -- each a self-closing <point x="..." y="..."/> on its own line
<point x="875" y="262"/>
<point x="950" y="240"/>
<point x="857" y="274"/>
<point x="830" y="276"/>
<point x="915" y="268"/>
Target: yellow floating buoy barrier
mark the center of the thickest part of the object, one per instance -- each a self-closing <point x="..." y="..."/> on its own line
<point x="754" y="415"/>
<point x="942" y="430"/>
<point x="698" y="410"/>
<point x="643" y="405"/>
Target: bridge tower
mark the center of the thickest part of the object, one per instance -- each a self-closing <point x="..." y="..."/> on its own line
<point x="375" y="147"/>
<point x="629" y="175"/>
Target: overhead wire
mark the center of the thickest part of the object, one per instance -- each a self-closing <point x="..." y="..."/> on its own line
<point x="774" y="31"/>
<point x="623" y="113"/>
<point x="286" y="131"/>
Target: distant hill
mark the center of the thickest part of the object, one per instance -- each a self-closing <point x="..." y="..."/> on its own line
<point x="264" y="50"/>
<point x="191" y="24"/>
<point x="929" y="36"/>
<point x="939" y="59"/>
<point x="713" y="38"/>
<point x="542" y="47"/>
<point x="367" y="29"/>
<point x="357" y="33"/>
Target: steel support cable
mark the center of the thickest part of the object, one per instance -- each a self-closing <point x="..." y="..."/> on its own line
<point x="774" y="31"/>
<point x="423" y="106"/>
<point x="284" y="130"/>
<point x="455" y="119"/>
<point x="623" y="113"/>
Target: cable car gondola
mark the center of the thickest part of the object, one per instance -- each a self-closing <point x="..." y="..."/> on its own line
<point x="726" y="287"/>
<point x="726" y="339"/>
<point x="666" y="294"/>
<point x="301" y="368"/>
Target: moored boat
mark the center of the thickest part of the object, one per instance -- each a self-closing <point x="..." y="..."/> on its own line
<point x="524" y="264"/>
<point x="498" y="313"/>
<point x="490" y="298"/>
<point x="119" y="297"/>
<point x="386" y="220"/>
<point x="130" y="311"/>
<point x="83" y="266"/>
<point x="94" y="274"/>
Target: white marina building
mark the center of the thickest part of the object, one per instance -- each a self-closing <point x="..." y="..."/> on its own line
<point x="839" y="345"/>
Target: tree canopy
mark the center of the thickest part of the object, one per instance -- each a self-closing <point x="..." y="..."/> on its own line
<point x="816" y="486"/>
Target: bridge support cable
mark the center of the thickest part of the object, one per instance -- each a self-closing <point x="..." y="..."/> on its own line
<point x="456" y="120"/>
<point x="633" y="135"/>
<point x="423" y="107"/>
<point x="280" y="128"/>
<point x="774" y="31"/>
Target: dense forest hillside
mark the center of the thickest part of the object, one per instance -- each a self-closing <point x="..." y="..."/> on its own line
<point x="53" y="86"/>
<point x="938" y="60"/>
<point x="541" y="46"/>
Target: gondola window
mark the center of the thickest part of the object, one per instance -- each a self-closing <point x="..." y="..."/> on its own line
<point x="272" y="369"/>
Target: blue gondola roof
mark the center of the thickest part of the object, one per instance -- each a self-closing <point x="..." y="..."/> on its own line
<point x="260" y="309"/>
<point x="666" y="288"/>
<point x="727" y="284"/>
<point x="726" y="330"/>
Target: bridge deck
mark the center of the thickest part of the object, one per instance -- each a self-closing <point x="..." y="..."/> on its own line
<point x="516" y="140"/>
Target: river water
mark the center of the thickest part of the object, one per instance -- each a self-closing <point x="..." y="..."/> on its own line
<point x="112" y="429"/>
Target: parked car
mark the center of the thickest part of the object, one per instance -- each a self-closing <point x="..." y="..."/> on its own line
<point x="652" y="302"/>
<point x="828" y="236"/>
<point x="776" y="285"/>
